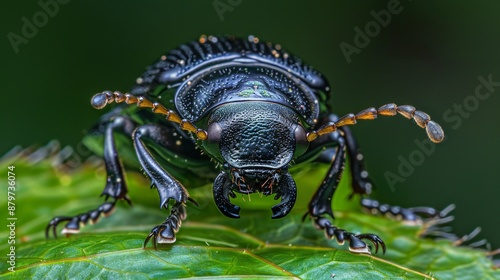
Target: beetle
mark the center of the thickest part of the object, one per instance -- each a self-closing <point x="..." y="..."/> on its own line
<point x="255" y="110"/>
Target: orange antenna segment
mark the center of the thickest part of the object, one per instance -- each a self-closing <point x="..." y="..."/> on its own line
<point x="433" y="129"/>
<point x="104" y="98"/>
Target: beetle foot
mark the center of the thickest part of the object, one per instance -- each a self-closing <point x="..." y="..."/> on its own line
<point x="165" y="232"/>
<point x="356" y="244"/>
<point x="412" y="216"/>
<point x="74" y="223"/>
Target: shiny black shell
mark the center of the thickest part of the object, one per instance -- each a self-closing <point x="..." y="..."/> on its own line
<point x="218" y="70"/>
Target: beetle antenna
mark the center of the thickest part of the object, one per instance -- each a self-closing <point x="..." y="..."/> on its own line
<point x="433" y="129"/>
<point x="104" y="98"/>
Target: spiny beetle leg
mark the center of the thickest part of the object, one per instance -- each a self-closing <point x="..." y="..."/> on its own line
<point x="116" y="186"/>
<point x="168" y="187"/>
<point x="321" y="203"/>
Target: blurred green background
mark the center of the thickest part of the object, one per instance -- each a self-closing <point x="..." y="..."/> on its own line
<point x="429" y="55"/>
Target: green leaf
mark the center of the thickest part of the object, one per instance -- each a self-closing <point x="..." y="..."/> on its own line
<point x="209" y="244"/>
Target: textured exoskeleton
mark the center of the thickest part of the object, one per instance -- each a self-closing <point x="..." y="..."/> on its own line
<point x="251" y="107"/>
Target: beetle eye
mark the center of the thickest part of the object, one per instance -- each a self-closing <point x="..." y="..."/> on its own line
<point x="211" y="144"/>
<point x="301" y="143"/>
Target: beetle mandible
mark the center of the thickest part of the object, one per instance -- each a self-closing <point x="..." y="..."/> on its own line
<point x="254" y="109"/>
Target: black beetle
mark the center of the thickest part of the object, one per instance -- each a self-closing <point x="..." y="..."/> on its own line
<point x="254" y="109"/>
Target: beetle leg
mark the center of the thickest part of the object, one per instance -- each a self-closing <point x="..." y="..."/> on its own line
<point x="361" y="183"/>
<point x="168" y="187"/>
<point x="411" y="216"/>
<point x="73" y="223"/>
<point x="356" y="244"/>
<point x="116" y="186"/>
<point x="321" y="204"/>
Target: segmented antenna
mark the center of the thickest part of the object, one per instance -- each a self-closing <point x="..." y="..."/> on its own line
<point x="434" y="130"/>
<point x="102" y="99"/>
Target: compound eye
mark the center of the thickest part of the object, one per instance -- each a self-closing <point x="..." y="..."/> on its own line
<point x="301" y="143"/>
<point x="211" y="144"/>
